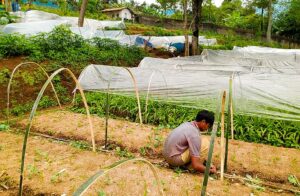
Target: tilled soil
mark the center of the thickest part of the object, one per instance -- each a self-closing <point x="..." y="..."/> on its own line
<point x="273" y="164"/>
<point x="54" y="168"/>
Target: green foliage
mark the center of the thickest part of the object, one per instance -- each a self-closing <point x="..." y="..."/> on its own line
<point x="80" y="145"/>
<point x="33" y="171"/>
<point x="124" y="153"/>
<point x="247" y="128"/>
<point x="14" y="45"/>
<point x="4" y="127"/>
<point x="6" y="18"/>
<point x="4" y="76"/>
<point x="57" y="177"/>
<point x="293" y="180"/>
<point x="63" y="47"/>
<point x="21" y="109"/>
<point x="288" y="21"/>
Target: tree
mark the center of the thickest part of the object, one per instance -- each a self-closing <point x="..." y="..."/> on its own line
<point x="270" y="12"/>
<point x="262" y="4"/>
<point x="196" y="8"/>
<point x="287" y="23"/>
<point x="187" y="44"/>
<point x="165" y="4"/>
<point x="82" y="13"/>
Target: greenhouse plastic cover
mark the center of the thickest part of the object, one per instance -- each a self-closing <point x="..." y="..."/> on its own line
<point x="175" y="43"/>
<point x="34" y="22"/>
<point x="258" y="92"/>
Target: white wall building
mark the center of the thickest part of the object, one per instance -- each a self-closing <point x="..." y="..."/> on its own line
<point x="123" y="13"/>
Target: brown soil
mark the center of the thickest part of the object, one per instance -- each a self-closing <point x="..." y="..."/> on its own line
<point x="45" y="159"/>
<point x="266" y="162"/>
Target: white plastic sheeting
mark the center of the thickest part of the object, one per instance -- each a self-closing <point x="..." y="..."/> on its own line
<point x="172" y="43"/>
<point x="33" y="28"/>
<point x="260" y="94"/>
<point x="34" y="22"/>
<point x="271" y="91"/>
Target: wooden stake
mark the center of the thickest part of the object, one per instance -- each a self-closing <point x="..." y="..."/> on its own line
<point x="211" y="149"/>
<point x="231" y="119"/>
<point x="229" y="123"/>
<point x="222" y="135"/>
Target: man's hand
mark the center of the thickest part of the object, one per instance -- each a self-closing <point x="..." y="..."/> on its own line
<point x="213" y="169"/>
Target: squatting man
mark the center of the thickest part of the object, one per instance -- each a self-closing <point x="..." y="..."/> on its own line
<point x="185" y="146"/>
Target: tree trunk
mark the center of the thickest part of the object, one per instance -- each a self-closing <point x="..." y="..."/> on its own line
<point x="269" y="39"/>
<point x="196" y="15"/>
<point x="262" y="20"/>
<point x="187" y="44"/>
<point x="82" y="12"/>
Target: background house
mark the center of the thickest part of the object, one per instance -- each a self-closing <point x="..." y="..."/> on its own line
<point x="123" y="13"/>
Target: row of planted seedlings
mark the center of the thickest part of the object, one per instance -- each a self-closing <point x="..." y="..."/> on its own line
<point x="170" y="115"/>
<point x="85" y="186"/>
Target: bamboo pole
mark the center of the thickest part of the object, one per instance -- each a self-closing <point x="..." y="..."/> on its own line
<point x="229" y="123"/>
<point x="106" y="115"/>
<point x="231" y="119"/>
<point x="210" y="151"/>
<point x="136" y="93"/>
<point x="222" y="135"/>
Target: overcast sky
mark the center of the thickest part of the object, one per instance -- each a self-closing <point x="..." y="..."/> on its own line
<point x="216" y="2"/>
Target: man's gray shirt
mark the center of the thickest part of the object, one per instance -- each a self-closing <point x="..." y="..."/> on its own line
<point x="183" y="137"/>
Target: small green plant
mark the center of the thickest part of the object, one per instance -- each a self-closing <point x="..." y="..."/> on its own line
<point x="4" y="127"/>
<point x="293" y="180"/>
<point x="124" y="153"/>
<point x="80" y="145"/>
<point x="101" y="193"/>
<point x="57" y="177"/>
<point x="40" y="155"/>
<point x="4" y="76"/>
<point x="178" y="171"/>
<point x="33" y="171"/>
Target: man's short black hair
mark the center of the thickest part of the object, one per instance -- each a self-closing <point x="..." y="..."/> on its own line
<point x="207" y="116"/>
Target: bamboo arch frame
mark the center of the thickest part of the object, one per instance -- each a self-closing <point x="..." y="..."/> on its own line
<point x="34" y="110"/>
<point x="149" y="85"/>
<point x="85" y="186"/>
<point x="136" y="93"/>
<point x="11" y="78"/>
<point x="135" y="88"/>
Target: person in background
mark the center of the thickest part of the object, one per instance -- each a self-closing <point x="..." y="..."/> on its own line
<point x="185" y="146"/>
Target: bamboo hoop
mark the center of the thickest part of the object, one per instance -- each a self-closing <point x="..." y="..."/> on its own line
<point x="222" y="135"/>
<point x="85" y="186"/>
<point x="34" y="108"/>
<point x="149" y="86"/>
<point x="11" y="78"/>
<point x="136" y="93"/>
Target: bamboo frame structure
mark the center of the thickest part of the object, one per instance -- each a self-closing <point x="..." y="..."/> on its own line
<point x="33" y="111"/>
<point x="106" y="115"/>
<point x="11" y="78"/>
<point x="85" y="186"/>
<point x="211" y="149"/>
<point x="222" y="135"/>
<point x="149" y="86"/>
<point x="229" y="122"/>
<point x="136" y="93"/>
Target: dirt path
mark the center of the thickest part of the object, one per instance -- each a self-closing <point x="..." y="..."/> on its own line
<point x="266" y="162"/>
<point x="57" y="168"/>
